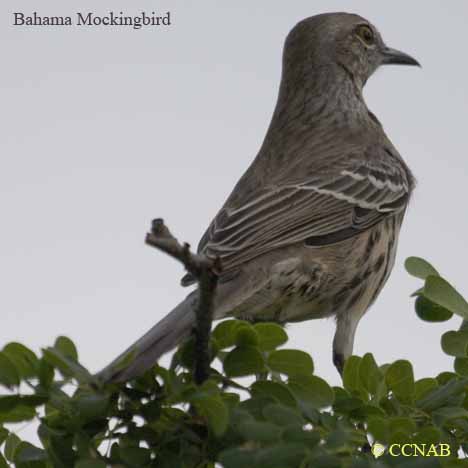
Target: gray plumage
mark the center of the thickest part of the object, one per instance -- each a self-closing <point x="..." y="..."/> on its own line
<point x="311" y="228"/>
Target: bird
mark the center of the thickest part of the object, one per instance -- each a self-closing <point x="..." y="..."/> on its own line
<point x="311" y="228"/>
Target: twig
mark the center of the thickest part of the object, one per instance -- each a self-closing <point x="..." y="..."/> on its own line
<point x="206" y="272"/>
<point x="208" y="281"/>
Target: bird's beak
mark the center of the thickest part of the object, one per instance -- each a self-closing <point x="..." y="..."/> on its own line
<point x="396" y="57"/>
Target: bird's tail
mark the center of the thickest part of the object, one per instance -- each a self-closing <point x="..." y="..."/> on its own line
<point x="160" y="339"/>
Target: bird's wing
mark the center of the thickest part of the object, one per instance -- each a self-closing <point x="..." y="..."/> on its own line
<point x="335" y="204"/>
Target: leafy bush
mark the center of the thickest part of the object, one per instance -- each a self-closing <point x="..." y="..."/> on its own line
<point x="284" y="417"/>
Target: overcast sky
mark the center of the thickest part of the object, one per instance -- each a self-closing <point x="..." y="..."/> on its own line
<point x="104" y="129"/>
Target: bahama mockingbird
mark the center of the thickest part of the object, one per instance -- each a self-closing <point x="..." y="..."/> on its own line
<point x="311" y="228"/>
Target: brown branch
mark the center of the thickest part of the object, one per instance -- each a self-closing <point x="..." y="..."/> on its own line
<point x="206" y="272"/>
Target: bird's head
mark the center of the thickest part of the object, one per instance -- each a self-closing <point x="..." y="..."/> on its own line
<point x="343" y="39"/>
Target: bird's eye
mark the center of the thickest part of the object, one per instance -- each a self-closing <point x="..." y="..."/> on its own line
<point x="366" y="34"/>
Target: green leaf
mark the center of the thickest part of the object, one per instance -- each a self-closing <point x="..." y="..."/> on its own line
<point x="419" y="268"/>
<point x="236" y="458"/>
<point x="8" y="374"/>
<point x="277" y="390"/>
<point x="427" y="435"/>
<point x="246" y="336"/>
<point x="343" y="440"/>
<point x="185" y="355"/>
<point x="215" y="411"/>
<point x="67" y="366"/>
<point x="11" y="443"/>
<point x="282" y="415"/>
<point x="24" y="360"/>
<point x="302" y="436"/>
<point x="398" y="438"/>
<point x="26" y="452"/>
<point x="91" y="406"/>
<point x="379" y="428"/>
<point x="259" y="431"/>
<point x="82" y="444"/>
<point x="442" y="415"/>
<point x="402" y="425"/>
<point x="270" y="336"/>
<point x="328" y="461"/>
<point x="329" y="421"/>
<point x="230" y="399"/>
<point x="400" y="380"/>
<point x="66" y="348"/>
<point x="17" y="413"/>
<point x="422" y="387"/>
<point x="3" y="463"/>
<point x="90" y="463"/>
<point x="445" y="377"/>
<point x="7" y="403"/>
<point x="370" y="374"/>
<point x="351" y="374"/>
<point x="243" y="361"/>
<point x="135" y="456"/>
<point x="280" y="456"/>
<point x="46" y="373"/>
<point x="151" y="410"/>
<point x="17" y="408"/>
<point x="340" y="394"/>
<point x="440" y="396"/>
<point x="225" y="333"/>
<point x="59" y="446"/>
<point x="455" y="343"/>
<point x="430" y="311"/>
<point x="346" y="404"/>
<point x="311" y="391"/>
<point x="365" y="411"/>
<point x="461" y="366"/>
<point x="3" y="434"/>
<point x="255" y="406"/>
<point x="291" y="362"/>
<point x="443" y="293"/>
